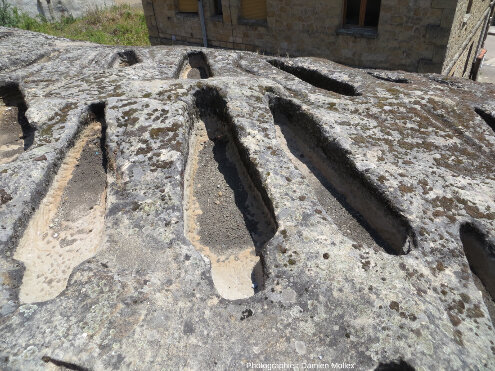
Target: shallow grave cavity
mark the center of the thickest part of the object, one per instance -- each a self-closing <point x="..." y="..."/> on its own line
<point x="68" y="226"/>
<point x="317" y="79"/>
<point x="195" y="66"/>
<point x="227" y="219"/>
<point x="487" y="117"/>
<point x="360" y="212"/>
<point x="16" y="134"/>
<point x="399" y="365"/>
<point x="125" y="58"/>
<point x="480" y="254"/>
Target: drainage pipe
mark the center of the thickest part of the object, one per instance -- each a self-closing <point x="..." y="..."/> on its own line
<point x="203" y="25"/>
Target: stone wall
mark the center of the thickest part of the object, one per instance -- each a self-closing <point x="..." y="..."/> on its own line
<point x="460" y="65"/>
<point x="298" y="29"/>
<point x="412" y="34"/>
<point x="466" y="31"/>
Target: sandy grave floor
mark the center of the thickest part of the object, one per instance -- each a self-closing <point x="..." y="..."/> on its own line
<point x="67" y="228"/>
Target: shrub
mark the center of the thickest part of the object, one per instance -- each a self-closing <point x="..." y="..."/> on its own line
<point x="118" y="25"/>
<point x="8" y="15"/>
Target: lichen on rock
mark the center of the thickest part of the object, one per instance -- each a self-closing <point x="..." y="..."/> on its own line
<point x="334" y="163"/>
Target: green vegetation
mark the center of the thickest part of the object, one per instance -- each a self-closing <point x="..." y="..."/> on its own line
<point x="118" y="25"/>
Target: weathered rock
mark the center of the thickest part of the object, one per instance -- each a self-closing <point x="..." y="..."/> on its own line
<point x="367" y="264"/>
<point x="56" y="9"/>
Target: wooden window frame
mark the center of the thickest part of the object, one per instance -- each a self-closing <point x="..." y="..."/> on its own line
<point x="179" y="11"/>
<point x="362" y="15"/>
<point x="244" y="20"/>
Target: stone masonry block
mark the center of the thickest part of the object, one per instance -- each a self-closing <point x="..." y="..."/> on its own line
<point x="428" y="66"/>
<point x="437" y="35"/>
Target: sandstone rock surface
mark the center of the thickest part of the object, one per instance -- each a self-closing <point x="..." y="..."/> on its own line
<point x="362" y="201"/>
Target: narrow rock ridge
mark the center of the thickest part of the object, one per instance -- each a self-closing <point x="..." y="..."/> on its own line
<point x="317" y="79"/>
<point x="125" y="58"/>
<point x="67" y="228"/>
<point x="195" y="66"/>
<point x="226" y="217"/>
<point x="16" y="134"/>
<point x="480" y="254"/>
<point x="487" y="117"/>
<point x="359" y="210"/>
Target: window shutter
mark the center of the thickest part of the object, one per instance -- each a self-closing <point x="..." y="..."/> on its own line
<point x="253" y="9"/>
<point x="188" y="6"/>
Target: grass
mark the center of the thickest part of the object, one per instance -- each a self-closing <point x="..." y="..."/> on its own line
<point x="118" y="25"/>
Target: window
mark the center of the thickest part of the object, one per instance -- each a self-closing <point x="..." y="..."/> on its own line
<point x="361" y="13"/>
<point x="253" y="9"/>
<point x="470" y="5"/>
<point x="188" y="6"/>
<point x="218" y="7"/>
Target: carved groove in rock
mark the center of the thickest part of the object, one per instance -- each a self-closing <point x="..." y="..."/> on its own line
<point x="16" y="134"/>
<point x="63" y="364"/>
<point x="317" y="79"/>
<point x="395" y="366"/>
<point x="125" y="58"/>
<point x="195" y="66"/>
<point x="227" y="217"/>
<point x="480" y="254"/>
<point x="68" y="226"/>
<point x="488" y="118"/>
<point x="361" y="213"/>
<point x="389" y="77"/>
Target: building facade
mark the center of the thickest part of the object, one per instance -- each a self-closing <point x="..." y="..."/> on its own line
<point x="442" y="36"/>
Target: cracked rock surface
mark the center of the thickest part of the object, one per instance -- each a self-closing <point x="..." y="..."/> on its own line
<point x="411" y="158"/>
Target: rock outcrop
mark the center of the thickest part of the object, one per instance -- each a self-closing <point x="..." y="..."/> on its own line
<point x="57" y="9"/>
<point x="240" y="209"/>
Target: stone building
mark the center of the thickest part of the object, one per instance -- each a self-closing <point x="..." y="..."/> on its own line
<point x="442" y="36"/>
